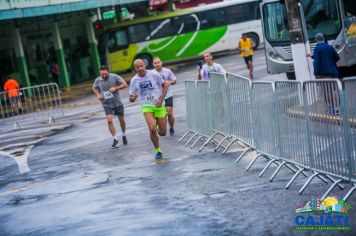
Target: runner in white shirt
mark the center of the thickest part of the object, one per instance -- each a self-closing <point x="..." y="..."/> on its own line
<point x="168" y="76"/>
<point x="152" y="89"/>
<point x="208" y="67"/>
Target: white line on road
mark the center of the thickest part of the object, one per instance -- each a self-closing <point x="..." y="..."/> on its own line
<point x="20" y="156"/>
<point x="20" y="152"/>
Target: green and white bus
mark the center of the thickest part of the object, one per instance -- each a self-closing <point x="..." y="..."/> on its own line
<point x="182" y="34"/>
<point x="334" y="18"/>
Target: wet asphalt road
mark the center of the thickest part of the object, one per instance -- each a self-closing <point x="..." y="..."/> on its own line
<point x="77" y="185"/>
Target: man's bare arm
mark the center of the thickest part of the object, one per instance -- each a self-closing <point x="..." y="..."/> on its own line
<point x="97" y="93"/>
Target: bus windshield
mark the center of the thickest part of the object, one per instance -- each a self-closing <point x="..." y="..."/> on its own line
<point x="321" y="16"/>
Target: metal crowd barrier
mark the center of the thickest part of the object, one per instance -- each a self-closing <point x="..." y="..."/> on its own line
<point x="349" y="88"/>
<point x="219" y="110"/>
<point x="292" y="127"/>
<point x="266" y="132"/>
<point x="241" y="129"/>
<point x="191" y="106"/>
<point x="326" y="137"/>
<point x="304" y="126"/>
<point x="36" y="102"/>
<point x="198" y="93"/>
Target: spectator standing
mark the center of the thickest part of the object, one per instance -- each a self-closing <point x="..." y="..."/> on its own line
<point x="208" y="67"/>
<point x="12" y="88"/>
<point x="54" y="70"/>
<point x="325" y="59"/>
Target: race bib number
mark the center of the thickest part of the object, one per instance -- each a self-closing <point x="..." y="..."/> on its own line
<point x="150" y="99"/>
<point x="108" y="95"/>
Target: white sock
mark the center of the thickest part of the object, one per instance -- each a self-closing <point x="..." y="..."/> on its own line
<point x="115" y="137"/>
<point x="123" y="134"/>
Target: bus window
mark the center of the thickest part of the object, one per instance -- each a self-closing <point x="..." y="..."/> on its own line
<point x="257" y="12"/>
<point x="138" y="33"/>
<point x="275" y="22"/>
<point x="241" y="13"/>
<point x="160" y="29"/>
<point x="350" y="7"/>
<point x="186" y="24"/>
<point x="321" y="16"/>
<point x="117" y="40"/>
<point x="212" y="19"/>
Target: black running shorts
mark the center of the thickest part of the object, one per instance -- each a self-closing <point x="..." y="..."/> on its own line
<point x="168" y="102"/>
<point x="247" y="59"/>
<point x="116" y="111"/>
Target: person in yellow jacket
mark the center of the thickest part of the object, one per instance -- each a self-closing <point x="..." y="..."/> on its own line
<point x="246" y="51"/>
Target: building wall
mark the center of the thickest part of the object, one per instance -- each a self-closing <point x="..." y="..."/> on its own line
<point x="37" y="40"/>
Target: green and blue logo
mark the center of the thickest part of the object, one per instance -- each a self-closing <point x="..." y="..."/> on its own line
<point x="327" y="214"/>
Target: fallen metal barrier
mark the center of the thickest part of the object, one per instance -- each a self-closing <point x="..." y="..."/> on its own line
<point x="33" y="103"/>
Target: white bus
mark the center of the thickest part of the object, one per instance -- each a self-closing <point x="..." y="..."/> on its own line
<point x="182" y="34"/>
<point x="330" y="17"/>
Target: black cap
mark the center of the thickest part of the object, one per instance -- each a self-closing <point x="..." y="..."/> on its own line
<point x="104" y="67"/>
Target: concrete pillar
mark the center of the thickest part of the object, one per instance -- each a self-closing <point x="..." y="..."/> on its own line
<point x="63" y="73"/>
<point x="20" y="57"/>
<point x="95" y="58"/>
<point x="171" y="5"/>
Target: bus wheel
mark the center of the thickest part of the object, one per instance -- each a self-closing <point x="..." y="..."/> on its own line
<point x="255" y="39"/>
<point x="290" y="75"/>
<point x="147" y="59"/>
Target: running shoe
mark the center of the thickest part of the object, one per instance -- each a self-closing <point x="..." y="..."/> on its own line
<point x="124" y="140"/>
<point x="115" y="143"/>
<point x="159" y="156"/>
<point x="171" y="131"/>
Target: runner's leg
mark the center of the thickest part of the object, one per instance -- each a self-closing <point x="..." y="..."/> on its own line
<point x="123" y="129"/>
<point x="111" y="125"/>
<point x="122" y="124"/>
<point x="250" y="67"/>
<point x="151" y="123"/>
<point x="246" y="62"/>
<point x="162" y="126"/>
<point x="170" y="116"/>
